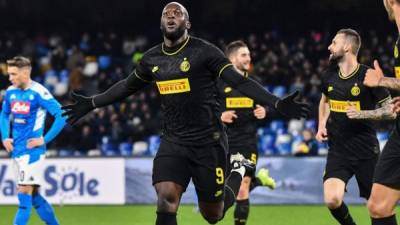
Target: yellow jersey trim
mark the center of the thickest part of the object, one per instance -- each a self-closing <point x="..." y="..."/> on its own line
<point x="223" y="68"/>
<point x="385" y="99"/>
<point x="352" y="74"/>
<point x="177" y="51"/>
<point x="141" y="77"/>
<point x="397" y="71"/>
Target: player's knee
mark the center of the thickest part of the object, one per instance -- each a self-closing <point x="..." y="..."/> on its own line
<point x="333" y="202"/>
<point x="212" y="213"/>
<point x="213" y="217"/>
<point x="167" y="202"/>
<point x="377" y="209"/>
<point x="26" y="189"/>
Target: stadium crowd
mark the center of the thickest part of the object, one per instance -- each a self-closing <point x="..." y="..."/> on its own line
<point x="91" y="62"/>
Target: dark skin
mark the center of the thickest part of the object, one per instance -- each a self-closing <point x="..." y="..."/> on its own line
<point x="175" y="25"/>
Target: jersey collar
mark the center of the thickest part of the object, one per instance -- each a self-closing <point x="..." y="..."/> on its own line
<point x="352" y="74"/>
<point x="30" y="83"/>
<point x="163" y="49"/>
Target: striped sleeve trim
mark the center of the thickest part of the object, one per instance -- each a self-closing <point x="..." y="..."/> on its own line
<point x="385" y="99"/>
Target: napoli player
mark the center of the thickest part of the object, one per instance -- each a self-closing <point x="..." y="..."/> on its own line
<point x="25" y="105"/>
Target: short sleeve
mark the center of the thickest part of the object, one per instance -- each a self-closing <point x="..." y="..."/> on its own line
<point x="323" y="86"/>
<point x="48" y="102"/>
<point x="143" y="71"/>
<point x="380" y="94"/>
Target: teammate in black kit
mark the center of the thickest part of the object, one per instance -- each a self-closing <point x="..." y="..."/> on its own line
<point x="386" y="188"/>
<point x="345" y="111"/>
<point x="185" y="70"/>
<point x="241" y="115"/>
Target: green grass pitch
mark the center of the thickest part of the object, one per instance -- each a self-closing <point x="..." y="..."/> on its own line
<point x="145" y="215"/>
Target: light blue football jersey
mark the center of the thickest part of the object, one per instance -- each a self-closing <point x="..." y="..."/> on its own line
<point x="27" y="111"/>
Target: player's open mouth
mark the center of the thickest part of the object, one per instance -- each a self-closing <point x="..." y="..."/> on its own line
<point x="171" y="24"/>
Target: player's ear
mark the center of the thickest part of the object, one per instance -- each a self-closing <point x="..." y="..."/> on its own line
<point x="347" y="47"/>
<point x="188" y="25"/>
<point x="26" y="71"/>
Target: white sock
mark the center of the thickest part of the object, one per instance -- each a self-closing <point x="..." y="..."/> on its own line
<point x="240" y="170"/>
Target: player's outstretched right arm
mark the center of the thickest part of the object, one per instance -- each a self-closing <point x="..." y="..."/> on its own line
<point x="323" y="115"/>
<point x="117" y="92"/>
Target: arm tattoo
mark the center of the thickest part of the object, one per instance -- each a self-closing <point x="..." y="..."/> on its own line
<point x="383" y="113"/>
<point x="389" y="82"/>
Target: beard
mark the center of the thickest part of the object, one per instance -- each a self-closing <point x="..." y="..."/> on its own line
<point x="335" y="58"/>
<point x="174" y="35"/>
<point x="243" y="68"/>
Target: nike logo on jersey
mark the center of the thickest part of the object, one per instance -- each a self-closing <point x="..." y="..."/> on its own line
<point x="21" y="107"/>
<point x="155" y="69"/>
<point x="218" y="193"/>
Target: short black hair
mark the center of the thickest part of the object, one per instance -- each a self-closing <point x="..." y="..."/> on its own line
<point x="19" y="61"/>
<point x="354" y="37"/>
<point x="233" y="47"/>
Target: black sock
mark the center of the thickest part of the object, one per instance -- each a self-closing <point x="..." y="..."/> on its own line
<point x="241" y="211"/>
<point x="255" y="182"/>
<point x="342" y="215"/>
<point x="232" y="186"/>
<point x="391" y="220"/>
<point x="166" y="218"/>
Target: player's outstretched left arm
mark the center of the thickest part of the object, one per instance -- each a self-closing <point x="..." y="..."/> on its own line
<point x="122" y="89"/>
<point x="288" y="106"/>
<point x="385" y="112"/>
<point x="375" y="78"/>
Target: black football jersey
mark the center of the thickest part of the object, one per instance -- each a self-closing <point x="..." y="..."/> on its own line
<point x="243" y="130"/>
<point x="396" y="70"/>
<point x="353" y="139"/>
<point x="186" y="78"/>
<point x="396" y="55"/>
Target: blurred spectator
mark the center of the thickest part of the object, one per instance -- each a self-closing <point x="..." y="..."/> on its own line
<point x="307" y="147"/>
<point x="87" y="140"/>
